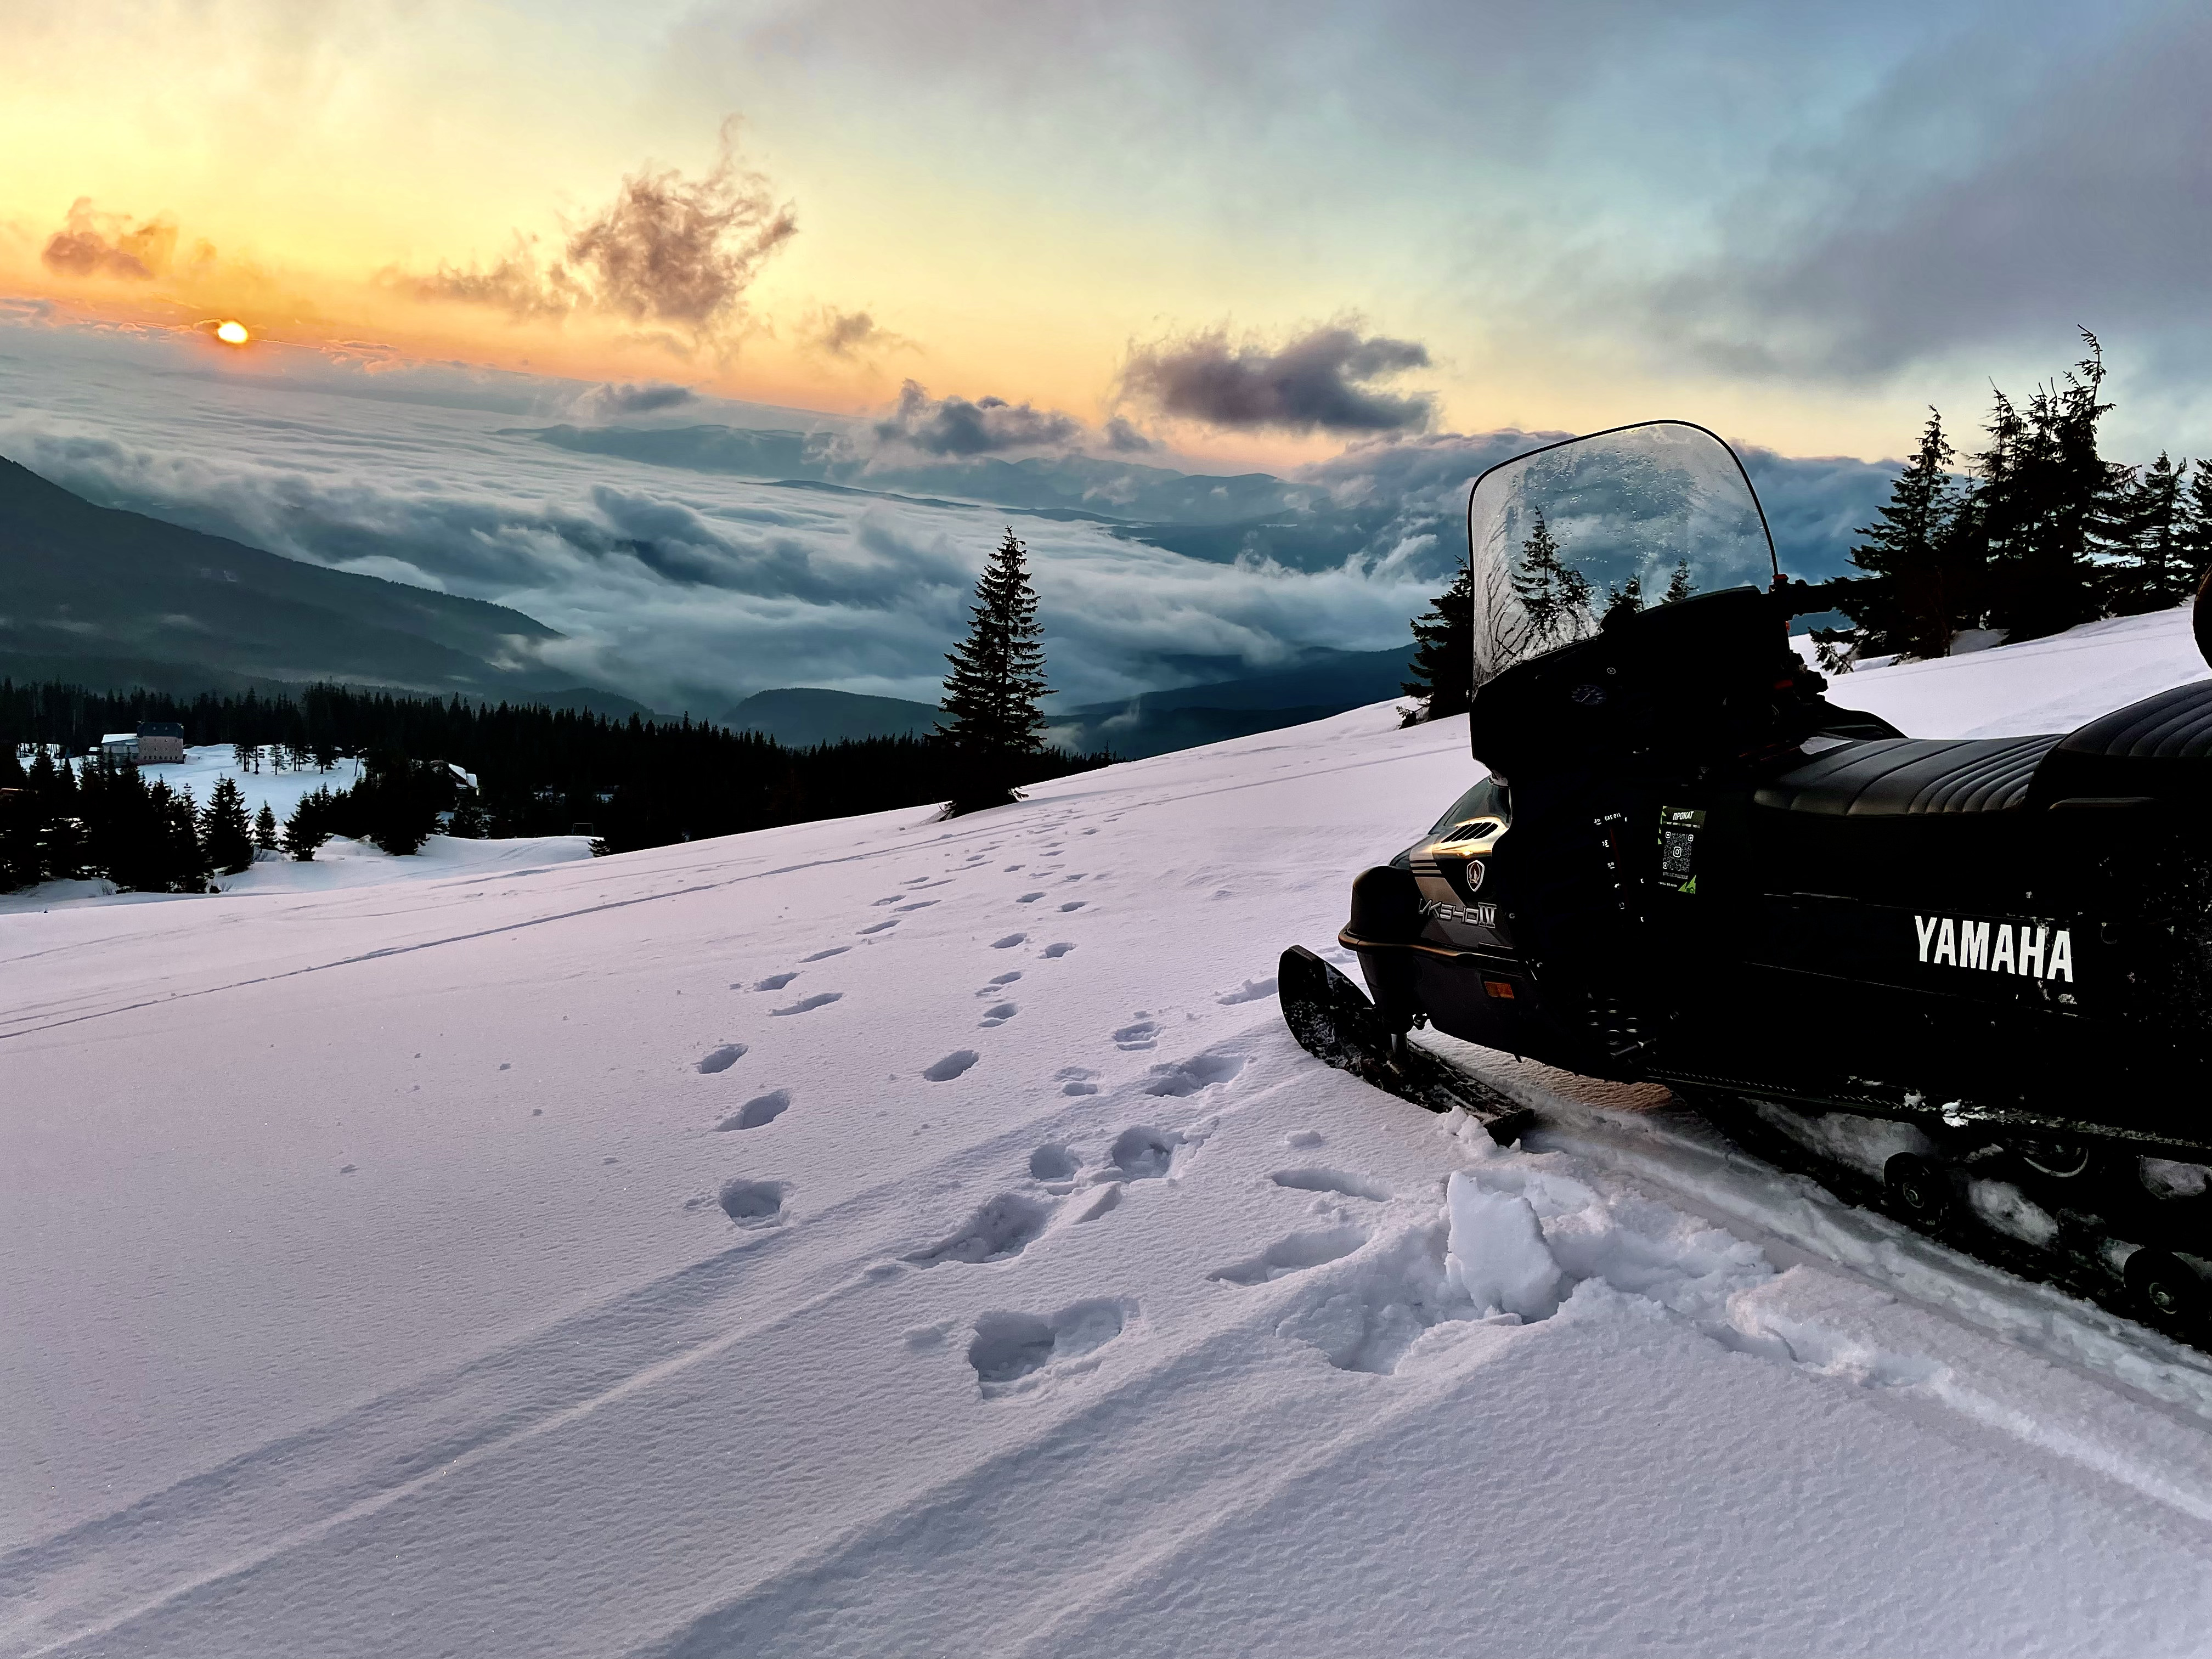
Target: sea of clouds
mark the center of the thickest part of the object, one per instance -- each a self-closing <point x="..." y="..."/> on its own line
<point x="688" y="586"/>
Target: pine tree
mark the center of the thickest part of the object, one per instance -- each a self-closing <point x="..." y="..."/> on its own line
<point x="1679" y="586"/>
<point x="1554" y="596"/>
<point x="308" y="827"/>
<point x="241" y="756"/>
<point x="2194" y="535"/>
<point x="2045" y="491"/>
<point x="2148" y="565"/>
<point x="993" y="724"/>
<point x="226" y="835"/>
<point x="1921" y="588"/>
<point x="264" y="829"/>
<point x="468" y="822"/>
<point x="1443" y="649"/>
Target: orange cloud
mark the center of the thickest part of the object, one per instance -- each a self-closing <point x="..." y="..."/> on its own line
<point x="91" y="243"/>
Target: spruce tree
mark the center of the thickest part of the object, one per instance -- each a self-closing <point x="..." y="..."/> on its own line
<point x="226" y="835"/>
<point x="308" y="827"/>
<point x="2044" y="491"/>
<point x="1443" y="653"/>
<point x="1679" y="586"/>
<point x="2148" y="565"/>
<point x="264" y="829"/>
<point x="2194" y="536"/>
<point x="1921" y="588"/>
<point x="1554" y="596"/>
<point x="993" y="724"/>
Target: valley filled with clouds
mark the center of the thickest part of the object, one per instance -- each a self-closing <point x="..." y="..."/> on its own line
<point x="692" y="550"/>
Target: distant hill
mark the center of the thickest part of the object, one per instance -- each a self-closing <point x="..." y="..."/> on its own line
<point x="1326" y="683"/>
<point x="91" y="593"/>
<point x="799" y="717"/>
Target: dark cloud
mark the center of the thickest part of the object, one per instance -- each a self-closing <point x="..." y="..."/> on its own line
<point x="1964" y="205"/>
<point x="1321" y="381"/>
<point x="1123" y="438"/>
<point x="667" y="250"/>
<point x="95" y="244"/>
<point x="954" y="426"/>
<point x="615" y="398"/>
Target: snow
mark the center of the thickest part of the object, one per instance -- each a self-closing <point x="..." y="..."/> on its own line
<point x="799" y="1243"/>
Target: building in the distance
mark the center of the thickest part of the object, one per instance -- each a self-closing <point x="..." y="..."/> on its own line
<point x="160" y="741"/>
<point x="117" y="747"/>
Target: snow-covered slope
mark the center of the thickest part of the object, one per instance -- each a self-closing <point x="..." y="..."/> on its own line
<point x="890" y="1236"/>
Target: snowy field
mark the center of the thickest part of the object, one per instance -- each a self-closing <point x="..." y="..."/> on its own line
<point x="897" y="1237"/>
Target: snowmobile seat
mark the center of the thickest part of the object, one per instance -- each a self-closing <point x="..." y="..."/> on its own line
<point x="1910" y="777"/>
<point x="2155" y="748"/>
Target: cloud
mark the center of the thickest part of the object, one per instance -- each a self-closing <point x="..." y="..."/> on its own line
<point x="668" y="249"/>
<point x="95" y="244"/>
<point x="1124" y="438"/>
<point x="610" y="400"/>
<point x="852" y="333"/>
<point x="1321" y="380"/>
<point x="955" y="426"/>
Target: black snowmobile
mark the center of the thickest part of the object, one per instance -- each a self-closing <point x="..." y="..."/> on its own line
<point x="1968" y="980"/>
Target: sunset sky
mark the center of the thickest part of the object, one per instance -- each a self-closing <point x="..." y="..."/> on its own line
<point x="1799" y="224"/>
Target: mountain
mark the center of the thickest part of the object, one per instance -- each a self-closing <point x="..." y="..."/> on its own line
<point x="799" y="717"/>
<point x="86" y="591"/>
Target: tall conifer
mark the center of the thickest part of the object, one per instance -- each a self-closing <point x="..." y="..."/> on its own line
<point x="1921" y="588"/>
<point x="1443" y="646"/>
<point x="991" y="722"/>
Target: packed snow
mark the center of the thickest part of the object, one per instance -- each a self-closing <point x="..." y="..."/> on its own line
<point x="901" y="1236"/>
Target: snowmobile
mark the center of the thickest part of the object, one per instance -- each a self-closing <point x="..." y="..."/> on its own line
<point x="1965" y="980"/>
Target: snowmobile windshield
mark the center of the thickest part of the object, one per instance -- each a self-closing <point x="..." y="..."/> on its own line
<point x="1636" y="516"/>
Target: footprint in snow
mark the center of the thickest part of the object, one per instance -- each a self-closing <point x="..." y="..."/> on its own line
<point x="1187" y="1077"/>
<point x="752" y="1203"/>
<point x="1294" y="1255"/>
<point x="721" y="1059"/>
<point x="998" y="1230"/>
<point x="1054" y="1162"/>
<point x="880" y="926"/>
<point x="1302" y="1139"/>
<point x="808" y="1005"/>
<point x="1329" y="1181"/>
<point x="1141" y="1035"/>
<point x="919" y="904"/>
<point x="1252" y="990"/>
<point x="1075" y="1080"/>
<point x="1052" y="952"/>
<point x="762" y="1108"/>
<point x="999" y="1015"/>
<point x="995" y="985"/>
<point x="773" y="982"/>
<point x="1144" y="1154"/>
<point x="1073" y="904"/>
<point x="1009" y="942"/>
<point x="1028" y="898"/>
<point x="825" y="956"/>
<point x="1011" y="1346"/>
<point x="952" y="1065"/>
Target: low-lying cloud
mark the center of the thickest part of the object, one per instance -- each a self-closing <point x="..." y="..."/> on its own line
<point x="613" y="399"/>
<point x="1323" y="380"/>
<point x="955" y="426"/>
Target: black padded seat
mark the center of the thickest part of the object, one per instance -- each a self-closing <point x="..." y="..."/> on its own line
<point x="2158" y="748"/>
<point x="1910" y="777"/>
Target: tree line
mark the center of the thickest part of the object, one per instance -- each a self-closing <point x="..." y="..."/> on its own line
<point x="2040" y="533"/>
<point x="538" y="771"/>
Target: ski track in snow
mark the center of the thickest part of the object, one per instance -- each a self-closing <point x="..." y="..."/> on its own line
<point x="647" y="1320"/>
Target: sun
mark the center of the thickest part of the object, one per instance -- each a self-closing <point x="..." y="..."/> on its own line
<point x="232" y="333"/>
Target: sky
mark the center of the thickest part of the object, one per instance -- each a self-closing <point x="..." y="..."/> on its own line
<point x="1327" y="241"/>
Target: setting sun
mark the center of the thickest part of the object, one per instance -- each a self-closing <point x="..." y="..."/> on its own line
<point x="232" y="333"/>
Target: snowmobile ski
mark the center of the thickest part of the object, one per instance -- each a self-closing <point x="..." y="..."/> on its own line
<point x="1334" y="1021"/>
